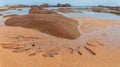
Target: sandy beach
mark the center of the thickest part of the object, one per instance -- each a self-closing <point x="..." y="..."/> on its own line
<point x="98" y="46"/>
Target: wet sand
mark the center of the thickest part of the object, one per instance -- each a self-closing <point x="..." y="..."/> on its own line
<point x="2" y="20"/>
<point x="98" y="46"/>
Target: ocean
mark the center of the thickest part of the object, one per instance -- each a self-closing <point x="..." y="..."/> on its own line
<point x="87" y="14"/>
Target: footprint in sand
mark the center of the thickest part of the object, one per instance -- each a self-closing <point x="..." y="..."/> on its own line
<point x="70" y="50"/>
<point x="89" y="50"/>
<point x="50" y="53"/>
<point x="93" y="43"/>
<point x="78" y="50"/>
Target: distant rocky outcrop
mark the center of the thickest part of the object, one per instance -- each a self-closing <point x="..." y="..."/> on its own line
<point x="63" y="5"/>
<point x="99" y="9"/>
<point x="45" y="5"/>
<point x="107" y="9"/>
<point x="40" y="10"/>
<point x="4" y="8"/>
<point x="65" y="10"/>
<point x="111" y="7"/>
<point x="52" y="24"/>
<point x="18" y="6"/>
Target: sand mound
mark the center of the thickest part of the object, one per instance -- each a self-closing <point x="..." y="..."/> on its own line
<point x="53" y="24"/>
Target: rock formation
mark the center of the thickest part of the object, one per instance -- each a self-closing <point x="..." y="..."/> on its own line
<point x="40" y="10"/>
<point x="63" y="5"/>
<point x="65" y="10"/>
<point x="103" y="9"/>
<point x="52" y="24"/>
<point x="44" y="5"/>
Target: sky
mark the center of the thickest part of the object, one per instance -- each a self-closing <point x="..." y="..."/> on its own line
<point x="72" y="2"/>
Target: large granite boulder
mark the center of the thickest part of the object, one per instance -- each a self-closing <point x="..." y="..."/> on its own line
<point x="52" y="24"/>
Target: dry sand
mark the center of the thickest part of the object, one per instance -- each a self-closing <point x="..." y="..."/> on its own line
<point x="99" y="47"/>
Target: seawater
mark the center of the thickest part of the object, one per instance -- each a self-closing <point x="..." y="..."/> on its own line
<point x="90" y="14"/>
<point x="16" y="11"/>
<point x="87" y="14"/>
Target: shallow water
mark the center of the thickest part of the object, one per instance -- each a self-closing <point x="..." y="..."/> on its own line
<point x="79" y="14"/>
<point x="90" y="14"/>
<point x="54" y="8"/>
<point x="87" y="14"/>
<point x="16" y="11"/>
